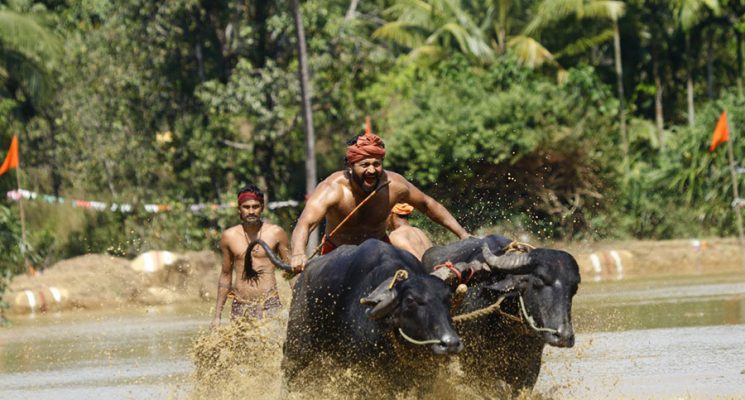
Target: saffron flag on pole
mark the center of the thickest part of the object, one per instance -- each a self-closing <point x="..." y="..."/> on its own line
<point x="11" y="160"/>
<point x="721" y="132"/>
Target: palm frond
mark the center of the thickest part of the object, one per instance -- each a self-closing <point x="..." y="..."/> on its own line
<point x="23" y="34"/>
<point x="550" y="11"/>
<point x="607" y="9"/>
<point x="427" y="53"/>
<point x="583" y="44"/>
<point x="530" y="52"/>
<point x="401" y="33"/>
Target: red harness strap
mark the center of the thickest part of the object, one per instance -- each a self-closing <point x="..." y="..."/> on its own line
<point x="449" y="265"/>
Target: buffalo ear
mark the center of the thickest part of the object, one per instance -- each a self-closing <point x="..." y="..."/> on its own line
<point x="508" y="284"/>
<point x="383" y="299"/>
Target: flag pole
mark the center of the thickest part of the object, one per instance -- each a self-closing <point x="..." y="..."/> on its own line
<point x="20" y="208"/>
<point x="735" y="190"/>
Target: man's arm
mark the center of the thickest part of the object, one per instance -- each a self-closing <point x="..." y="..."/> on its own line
<point x="224" y="280"/>
<point x="433" y="210"/>
<point x="283" y="245"/>
<point x="324" y="196"/>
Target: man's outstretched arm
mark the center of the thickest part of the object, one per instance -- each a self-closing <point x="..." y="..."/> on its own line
<point x="324" y="196"/>
<point x="434" y="210"/>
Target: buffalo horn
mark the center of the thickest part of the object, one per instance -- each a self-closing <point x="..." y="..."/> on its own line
<point x="505" y="262"/>
<point x="385" y="297"/>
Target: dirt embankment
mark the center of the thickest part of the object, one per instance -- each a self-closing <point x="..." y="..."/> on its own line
<point x="96" y="281"/>
<point x="625" y="259"/>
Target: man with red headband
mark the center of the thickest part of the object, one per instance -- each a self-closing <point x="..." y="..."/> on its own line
<point x="338" y="195"/>
<point x="405" y="236"/>
<point x="254" y="296"/>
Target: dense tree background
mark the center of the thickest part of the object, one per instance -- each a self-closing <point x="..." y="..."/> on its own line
<point x="563" y="119"/>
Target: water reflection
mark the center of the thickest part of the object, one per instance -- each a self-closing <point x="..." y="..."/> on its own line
<point x="694" y="300"/>
<point x="636" y="339"/>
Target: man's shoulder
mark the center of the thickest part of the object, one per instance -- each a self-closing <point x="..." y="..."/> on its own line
<point x="334" y="183"/>
<point x="233" y="230"/>
<point x="274" y="229"/>
<point x="396" y="178"/>
<point x="337" y="178"/>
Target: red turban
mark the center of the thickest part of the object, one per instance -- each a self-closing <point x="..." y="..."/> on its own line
<point x="368" y="145"/>
<point x="249" y="196"/>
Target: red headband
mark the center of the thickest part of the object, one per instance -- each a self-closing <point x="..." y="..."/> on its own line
<point x="368" y="145"/>
<point x="249" y="196"/>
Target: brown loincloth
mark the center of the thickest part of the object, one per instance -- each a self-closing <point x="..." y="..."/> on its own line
<point x="259" y="309"/>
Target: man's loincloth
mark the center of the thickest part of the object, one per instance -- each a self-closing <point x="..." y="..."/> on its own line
<point x="329" y="246"/>
<point x="260" y="309"/>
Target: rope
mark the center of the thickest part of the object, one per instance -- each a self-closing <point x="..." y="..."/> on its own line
<point x="518" y="247"/>
<point x="417" y="342"/>
<point x="496" y="307"/>
<point x="479" y="313"/>
<point x="401" y="274"/>
<point x="351" y="213"/>
<point x="532" y="322"/>
<point x="449" y="265"/>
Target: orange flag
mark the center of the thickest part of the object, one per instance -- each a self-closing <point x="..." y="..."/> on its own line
<point x="11" y="160"/>
<point x="721" y="132"/>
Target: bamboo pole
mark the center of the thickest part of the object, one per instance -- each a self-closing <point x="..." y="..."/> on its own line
<point x="311" y="174"/>
<point x="23" y="216"/>
<point x="735" y="190"/>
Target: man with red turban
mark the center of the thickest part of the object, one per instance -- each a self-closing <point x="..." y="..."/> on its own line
<point x="254" y="292"/>
<point x="336" y="196"/>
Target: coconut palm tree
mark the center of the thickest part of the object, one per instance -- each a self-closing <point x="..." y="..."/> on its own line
<point x="687" y="14"/>
<point x="28" y="53"/>
<point x="431" y="28"/>
<point x="551" y="11"/>
<point x="305" y="94"/>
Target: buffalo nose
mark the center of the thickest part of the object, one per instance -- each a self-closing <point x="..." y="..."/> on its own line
<point x="452" y="343"/>
<point x="565" y="335"/>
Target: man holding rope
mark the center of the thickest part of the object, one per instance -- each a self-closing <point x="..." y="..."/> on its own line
<point x="356" y="202"/>
<point x="254" y="292"/>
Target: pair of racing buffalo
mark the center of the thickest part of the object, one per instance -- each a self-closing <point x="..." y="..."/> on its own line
<point x="378" y="307"/>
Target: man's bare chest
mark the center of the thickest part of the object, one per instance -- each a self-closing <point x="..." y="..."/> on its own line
<point x="373" y="212"/>
<point x="240" y="250"/>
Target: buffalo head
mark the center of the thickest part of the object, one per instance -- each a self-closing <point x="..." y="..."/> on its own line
<point x="418" y="308"/>
<point x="546" y="281"/>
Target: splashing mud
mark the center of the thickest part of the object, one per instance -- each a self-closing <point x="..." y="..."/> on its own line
<point x="240" y="359"/>
<point x="243" y="359"/>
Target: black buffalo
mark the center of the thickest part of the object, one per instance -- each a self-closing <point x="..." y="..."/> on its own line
<point x="371" y="305"/>
<point x="536" y="289"/>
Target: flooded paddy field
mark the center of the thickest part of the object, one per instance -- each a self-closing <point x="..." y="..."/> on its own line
<point x="670" y="337"/>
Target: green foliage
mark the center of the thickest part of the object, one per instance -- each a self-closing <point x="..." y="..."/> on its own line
<point x="10" y="239"/>
<point x="185" y="101"/>
<point x="686" y="182"/>
<point x="504" y="141"/>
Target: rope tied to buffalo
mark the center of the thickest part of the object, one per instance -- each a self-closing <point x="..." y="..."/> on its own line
<point x="518" y="247"/>
<point x="449" y="265"/>
<point x="480" y="313"/>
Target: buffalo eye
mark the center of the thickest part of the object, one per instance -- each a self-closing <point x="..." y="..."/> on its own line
<point x="412" y="302"/>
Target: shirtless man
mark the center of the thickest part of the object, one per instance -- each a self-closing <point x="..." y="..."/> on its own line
<point x="405" y="236"/>
<point x="253" y="296"/>
<point x="336" y="196"/>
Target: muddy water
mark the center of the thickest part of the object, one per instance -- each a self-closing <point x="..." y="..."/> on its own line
<point x="675" y="337"/>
